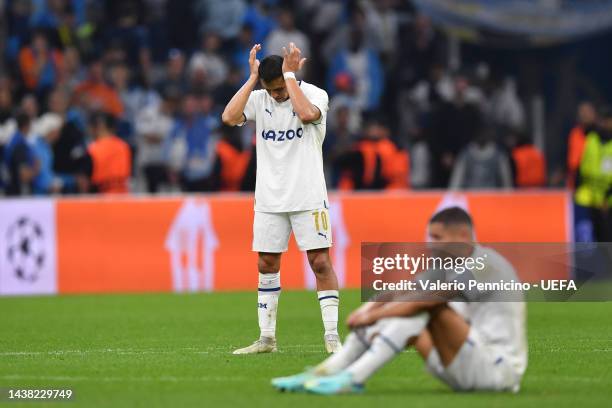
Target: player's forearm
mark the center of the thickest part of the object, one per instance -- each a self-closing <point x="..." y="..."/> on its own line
<point x="302" y="107"/>
<point x="232" y="114"/>
<point x="402" y="309"/>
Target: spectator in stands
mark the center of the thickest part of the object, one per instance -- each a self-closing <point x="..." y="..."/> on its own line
<point x="194" y="129"/>
<point x="416" y="104"/>
<point x="6" y="105"/>
<point x="222" y="17"/>
<point x="285" y="33"/>
<point x="47" y="133"/>
<point x="29" y="106"/>
<point x="74" y="72"/>
<point x="174" y="80"/>
<point x="7" y="125"/>
<point x="340" y="37"/>
<point x="231" y="161"/>
<point x="20" y="163"/>
<point x="364" y="66"/>
<point x="374" y="162"/>
<point x="454" y="125"/>
<point x="69" y="150"/>
<point x="383" y="24"/>
<point x="126" y="30"/>
<point x="50" y="14"/>
<point x="339" y="140"/>
<point x="209" y="62"/>
<point x="420" y="161"/>
<point x="482" y="164"/>
<point x="258" y="16"/>
<point x="224" y="92"/>
<point x="18" y="15"/>
<point x="586" y="119"/>
<point x="40" y="65"/>
<point x="424" y="47"/>
<point x="96" y="95"/>
<point x="345" y="98"/>
<point x="437" y="87"/>
<point x="111" y="157"/>
<point x="594" y="186"/>
<point x="528" y="161"/>
<point x="136" y="95"/>
<point x="240" y="53"/>
<point x="504" y="107"/>
<point x="7" y="122"/>
<point x="153" y="126"/>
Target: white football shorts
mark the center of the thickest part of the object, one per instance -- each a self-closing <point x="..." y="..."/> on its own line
<point x="477" y="367"/>
<point x="271" y="231"/>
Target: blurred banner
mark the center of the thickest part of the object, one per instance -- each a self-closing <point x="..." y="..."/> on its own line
<point x="540" y="21"/>
<point x="203" y="243"/>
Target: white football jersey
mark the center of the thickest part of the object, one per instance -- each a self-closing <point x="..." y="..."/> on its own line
<point x="289" y="152"/>
<point x="499" y="317"/>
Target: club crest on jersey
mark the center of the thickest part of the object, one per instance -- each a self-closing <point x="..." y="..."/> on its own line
<point x="282" y="135"/>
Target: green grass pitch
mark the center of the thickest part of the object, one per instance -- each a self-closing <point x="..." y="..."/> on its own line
<point x="175" y="350"/>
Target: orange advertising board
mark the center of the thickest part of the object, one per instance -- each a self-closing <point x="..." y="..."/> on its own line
<point x="203" y="243"/>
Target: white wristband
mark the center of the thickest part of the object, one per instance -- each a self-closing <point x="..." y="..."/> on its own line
<point x="288" y="75"/>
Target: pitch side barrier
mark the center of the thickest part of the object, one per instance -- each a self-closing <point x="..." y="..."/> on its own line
<point x="190" y="243"/>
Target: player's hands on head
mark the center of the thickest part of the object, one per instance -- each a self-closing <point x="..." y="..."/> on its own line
<point x="253" y="61"/>
<point x="292" y="59"/>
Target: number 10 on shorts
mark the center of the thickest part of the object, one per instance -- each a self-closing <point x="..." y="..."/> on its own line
<point x="320" y="220"/>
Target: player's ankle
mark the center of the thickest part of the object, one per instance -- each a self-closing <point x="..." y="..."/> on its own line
<point x="268" y="336"/>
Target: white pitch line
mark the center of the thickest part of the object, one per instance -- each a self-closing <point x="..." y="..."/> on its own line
<point x="304" y="348"/>
<point x="570" y="379"/>
<point x="219" y="350"/>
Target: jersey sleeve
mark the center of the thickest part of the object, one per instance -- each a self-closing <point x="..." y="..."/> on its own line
<point x="318" y="97"/>
<point x="250" y="111"/>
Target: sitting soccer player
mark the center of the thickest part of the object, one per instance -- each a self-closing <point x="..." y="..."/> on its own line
<point x="477" y="344"/>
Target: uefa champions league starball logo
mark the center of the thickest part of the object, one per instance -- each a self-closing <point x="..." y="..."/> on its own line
<point x="25" y="249"/>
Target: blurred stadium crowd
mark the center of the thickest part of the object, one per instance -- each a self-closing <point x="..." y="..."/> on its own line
<point x="118" y="96"/>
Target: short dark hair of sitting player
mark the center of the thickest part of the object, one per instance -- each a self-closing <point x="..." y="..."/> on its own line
<point x="271" y="68"/>
<point x="452" y="216"/>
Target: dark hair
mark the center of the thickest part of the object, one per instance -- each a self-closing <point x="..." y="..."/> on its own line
<point x="452" y="216"/>
<point x="23" y="120"/>
<point x="105" y="118"/>
<point x="271" y="68"/>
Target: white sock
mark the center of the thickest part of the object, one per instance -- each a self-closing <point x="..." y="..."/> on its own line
<point x="329" y="300"/>
<point x="354" y="346"/>
<point x="267" y="302"/>
<point x="391" y="340"/>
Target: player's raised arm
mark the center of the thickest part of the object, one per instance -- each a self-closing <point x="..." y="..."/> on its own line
<point x="233" y="114"/>
<point x="293" y="62"/>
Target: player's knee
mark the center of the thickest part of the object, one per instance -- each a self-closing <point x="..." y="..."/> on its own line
<point x="268" y="264"/>
<point x="320" y="264"/>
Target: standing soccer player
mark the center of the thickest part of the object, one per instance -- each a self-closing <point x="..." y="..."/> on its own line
<point x="290" y="192"/>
